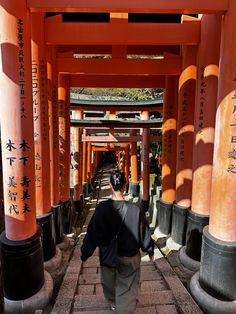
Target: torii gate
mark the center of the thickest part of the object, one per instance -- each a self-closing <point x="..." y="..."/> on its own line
<point x="217" y="271"/>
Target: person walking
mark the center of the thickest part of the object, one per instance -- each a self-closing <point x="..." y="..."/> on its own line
<point x="117" y="219"/>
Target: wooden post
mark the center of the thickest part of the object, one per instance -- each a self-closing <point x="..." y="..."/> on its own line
<point x="134" y="188"/>
<point x="145" y="163"/>
<point x="169" y="134"/>
<point x="41" y="136"/>
<point x="185" y="128"/>
<point x="204" y="126"/>
<point x="64" y="142"/>
<point x="21" y="235"/>
<point x="218" y="261"/>
<point x="54" y="140"/>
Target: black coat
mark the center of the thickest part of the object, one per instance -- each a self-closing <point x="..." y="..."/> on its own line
<point x="106" y="223"/>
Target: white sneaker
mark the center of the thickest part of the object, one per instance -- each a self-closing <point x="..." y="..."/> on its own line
<point x="113" y="307"/>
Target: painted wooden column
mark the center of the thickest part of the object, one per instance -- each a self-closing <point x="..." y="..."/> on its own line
<point x="169" y="141"/>
<point x="145" y="163"/>
<point x="64" y="147"/>
<point x="54" y="140"/>
<point x="134" y="187"/>
<point x="84" y="167"/>
<point x="41" y="136"/>
<point x="204" y="126"/>
<point x="77" y="171"/>
<point x="127" y="165"/>
<point x="185" y="129"/>
<point x="215" y="286"/>
<point x="21" y="241"/>
<point x="89" y="159"/>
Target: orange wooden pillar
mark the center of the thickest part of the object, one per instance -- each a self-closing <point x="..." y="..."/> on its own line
<point x="134" y="186"/>
<point x="185" y="128"/>
<point x="21" y="241"/>
<point x="41" y="136"/>
<point x="127" y="165"/>
<point x="204" y="125"/>
<point x="215" y="286"/>
<point x="64" y="146"/>
<point x="54" y="140"/>
<point x="145" y="163"/>
<point x="169" y="139"/>
<point x="84" y="167"/>
<point x="89" y="160"/>
<point x="77" y="171"/>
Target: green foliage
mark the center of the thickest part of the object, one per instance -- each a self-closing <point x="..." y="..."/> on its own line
<point x="125" y="93"/>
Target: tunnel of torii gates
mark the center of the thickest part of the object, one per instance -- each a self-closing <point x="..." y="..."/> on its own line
<point x="196" y="68"/>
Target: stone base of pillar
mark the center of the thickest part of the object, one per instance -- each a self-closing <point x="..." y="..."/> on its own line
<point x="145" y="205"/>
<point x="54" y="263"/>
<point x="187" y="261"/>
<point x="36" y="302"/>
<point x="172" y="245"/>
<point x="164" y="217"/>
<point x="179" y="224"/>
<point x="195" y="225"/>
<point x="57" y="213"/>
<point x="85" y="189"/>
<point x="158" y="234"/>
<point x="46" y="222"/>
<point x="66" y="217"/>
<point x="64" y="245"/>
<point x="22" y="266"/>
<point x="218" y="267"/>
<point x="134" y="189"/>
<point x="209" y="303"/>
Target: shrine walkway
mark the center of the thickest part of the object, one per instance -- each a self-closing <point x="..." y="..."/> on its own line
<point x="161" y="291"/>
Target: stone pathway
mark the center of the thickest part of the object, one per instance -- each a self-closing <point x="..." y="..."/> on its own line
<point x="161" y="291"/>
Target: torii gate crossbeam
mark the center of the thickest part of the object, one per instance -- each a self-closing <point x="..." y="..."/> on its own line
<point x="147" y="6"/>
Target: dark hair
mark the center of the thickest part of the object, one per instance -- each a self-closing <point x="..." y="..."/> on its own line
<point x="117" y="180"/>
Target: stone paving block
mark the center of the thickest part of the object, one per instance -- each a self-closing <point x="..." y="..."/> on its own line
<point x="148" y="268"/>
<point x="91" y="302"/>
<point x="89" y="270"/>
<point x="69" y="286"/>
<point x="150" y="275"/>
<point x="74" y="266"/>
<point x="93" y="312"/>
<point x="89" y="279"/>
<point x="159" y="297"/>
<point x="85" y="289"/>
<point x="146" y="310"/>
<point x="153" y="286"/>
<point x="167" y="309"/>
<point x="62" y="306"/>
<point x="173" y="258"/>
<point x="98" y="289"/>
<point x="184" y="300"/>
<point x="93" y="261"/>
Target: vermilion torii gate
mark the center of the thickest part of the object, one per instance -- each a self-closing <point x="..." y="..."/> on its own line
<point x="198" y="66"/>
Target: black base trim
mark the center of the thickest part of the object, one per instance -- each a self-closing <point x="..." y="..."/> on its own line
<point x="22" y="266"/>
<point x="57" y="214"/>
<point x="207" y="302"/>
<point x="179" y="223"/>
<point x="164" y="217"/>
<point x="66" y="217"/>
<point x="218" y="267"/>
<point x="135" y="189"/>
<point x="187" y="261"/>
<point x="195" y="225"/>
<point x="46" y="222"/>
